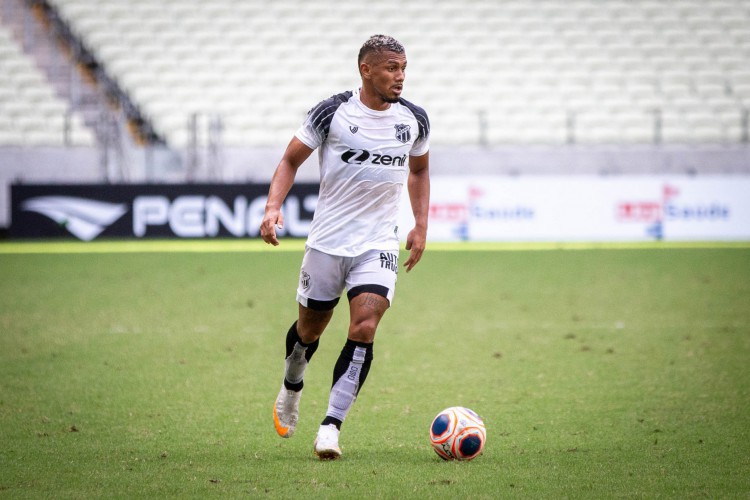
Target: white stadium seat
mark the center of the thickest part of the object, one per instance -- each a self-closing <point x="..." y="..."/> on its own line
<point x="31" y="113"/>
<point x="263" y="63"/>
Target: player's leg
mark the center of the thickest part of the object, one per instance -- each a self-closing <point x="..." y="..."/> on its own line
<point x="350" y="371"/>
<point x="303" y="336"/>
<point x="301" y="343"/>
<point x="354" y="361"/>
<point x="367" y="305"/>
<point x="309" y="326"/>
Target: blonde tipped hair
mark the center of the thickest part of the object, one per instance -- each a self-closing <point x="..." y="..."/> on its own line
<point x="380" y="43"/>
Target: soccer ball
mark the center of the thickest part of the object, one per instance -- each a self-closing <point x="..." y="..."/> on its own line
<point x="457" y="433"/>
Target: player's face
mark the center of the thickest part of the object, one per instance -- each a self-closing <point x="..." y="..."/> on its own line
<point x="387" y="74"/>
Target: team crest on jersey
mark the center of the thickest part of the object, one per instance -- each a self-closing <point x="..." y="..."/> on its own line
<point x="353" y="129"/>
<point x="403" y="132"/>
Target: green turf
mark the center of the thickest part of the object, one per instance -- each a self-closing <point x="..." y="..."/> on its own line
<point x="600" y="373"/>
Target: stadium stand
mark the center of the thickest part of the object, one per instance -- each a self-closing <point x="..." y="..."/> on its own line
<point x="492" y="73"/>
<point x="30" y="112"/>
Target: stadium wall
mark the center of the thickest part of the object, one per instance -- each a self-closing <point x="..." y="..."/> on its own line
<point x="707" y="182"/>
<point x="571" y="208"/>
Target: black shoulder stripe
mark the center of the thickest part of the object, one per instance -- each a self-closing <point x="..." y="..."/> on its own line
<point x="421" y="116"/>
<point x="322" y="113"/>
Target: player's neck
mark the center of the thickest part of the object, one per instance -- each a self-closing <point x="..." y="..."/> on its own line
<point x="372" y="100"/>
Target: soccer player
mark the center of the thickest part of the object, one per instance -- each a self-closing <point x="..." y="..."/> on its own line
<point x="371" y="142"/>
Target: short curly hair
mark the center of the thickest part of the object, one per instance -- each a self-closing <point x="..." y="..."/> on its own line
<point x="380" y="43"/>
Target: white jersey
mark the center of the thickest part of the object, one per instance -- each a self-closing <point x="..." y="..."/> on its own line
<point x="364" y="163"/>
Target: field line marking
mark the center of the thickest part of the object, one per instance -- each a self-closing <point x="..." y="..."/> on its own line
<point x="545" y="246"/>
<point x="298" y="245"/>
<point x="149" y="246"/>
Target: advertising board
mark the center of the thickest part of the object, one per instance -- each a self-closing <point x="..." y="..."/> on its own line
<point x="462" y="208"/>
<point x="87" y="212"/>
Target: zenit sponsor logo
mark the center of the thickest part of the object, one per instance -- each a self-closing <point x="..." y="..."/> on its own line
<point x="362" y="157"/>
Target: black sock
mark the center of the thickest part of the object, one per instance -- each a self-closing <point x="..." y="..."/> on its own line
<point x="292" y="337"/>
<point x="349" y="376"/>
<point x="298" y="354"/>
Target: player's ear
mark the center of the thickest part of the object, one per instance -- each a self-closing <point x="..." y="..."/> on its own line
<point x="364" y="69"/>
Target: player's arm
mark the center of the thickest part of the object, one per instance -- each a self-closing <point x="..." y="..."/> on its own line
<point x="281" y="182"/>
<point x="418" y="185"/>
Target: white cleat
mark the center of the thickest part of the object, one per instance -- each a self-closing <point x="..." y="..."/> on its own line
<point x="326" y="445"/>
<point x="286" y="411"/>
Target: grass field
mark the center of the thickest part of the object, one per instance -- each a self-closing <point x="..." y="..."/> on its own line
<point x="151" y="372"/>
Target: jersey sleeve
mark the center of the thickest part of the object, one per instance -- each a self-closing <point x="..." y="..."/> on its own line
<point x="422" y="142"/>
<point x="421" y="146"/>
<point x="308" y="134"/>
<point x="314" y="130"/>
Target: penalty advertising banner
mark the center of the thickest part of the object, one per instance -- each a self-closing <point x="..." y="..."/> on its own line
<point x="462" y="208"/>
<point x="88" y="212"/>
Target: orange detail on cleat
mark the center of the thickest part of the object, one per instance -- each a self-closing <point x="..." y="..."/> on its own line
<point x="280" y="429"/>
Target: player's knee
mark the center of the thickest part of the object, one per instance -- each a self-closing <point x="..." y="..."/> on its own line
<point x="363" y="330"/>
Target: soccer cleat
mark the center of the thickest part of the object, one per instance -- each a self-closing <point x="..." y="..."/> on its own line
<point x="286" y="411"/>
<point x="326" y="445"/>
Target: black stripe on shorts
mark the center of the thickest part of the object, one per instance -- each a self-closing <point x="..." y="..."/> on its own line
<point x="376" y="289"/>
<point x="322" y="305"/>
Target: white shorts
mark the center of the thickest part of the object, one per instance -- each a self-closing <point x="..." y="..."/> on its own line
<point x="324" y="277"/>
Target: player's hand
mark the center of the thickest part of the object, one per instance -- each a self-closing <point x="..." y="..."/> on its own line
<point x="271" y="220"/>
<point x="415" y="243"/>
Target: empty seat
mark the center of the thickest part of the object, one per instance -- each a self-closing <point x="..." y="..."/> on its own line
<point x="31" y="112"/>
<point x="560" y="55"/>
